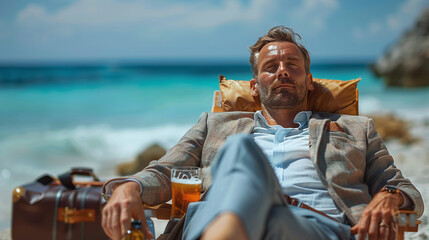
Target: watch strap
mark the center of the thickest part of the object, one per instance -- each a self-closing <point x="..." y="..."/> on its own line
<point x="391" y="189"/>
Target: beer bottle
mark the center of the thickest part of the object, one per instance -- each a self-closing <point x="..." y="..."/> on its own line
<point x="150" y="225"/>
<point x="135" y="233"/>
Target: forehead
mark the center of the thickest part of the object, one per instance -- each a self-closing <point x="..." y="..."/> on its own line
<point x="275" y="49"/>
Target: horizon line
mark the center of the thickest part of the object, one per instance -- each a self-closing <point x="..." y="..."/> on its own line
<point x="169" y="62"/>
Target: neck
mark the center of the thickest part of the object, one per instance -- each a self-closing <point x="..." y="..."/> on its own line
<point x="282" y="117"/>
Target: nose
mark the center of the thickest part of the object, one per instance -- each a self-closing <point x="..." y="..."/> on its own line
<point x="282" y="71"/>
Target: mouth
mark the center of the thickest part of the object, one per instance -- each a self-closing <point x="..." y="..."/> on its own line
<point x="284" y="86"/>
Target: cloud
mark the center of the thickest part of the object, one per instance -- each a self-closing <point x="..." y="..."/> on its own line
<point x="200" y="15"/>
<point x="315" y="13"/>
<point x="30" y="13"/>
<point x="394" y="22"/>
<point x="401" y="18"/>
<point x="137" y="27"/>
<point x="375" y="27"/>
<point x="412" y="6"/>
<point x="96" y="13"/>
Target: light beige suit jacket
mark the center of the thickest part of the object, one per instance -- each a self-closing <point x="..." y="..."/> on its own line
<point x="353" y="163"/>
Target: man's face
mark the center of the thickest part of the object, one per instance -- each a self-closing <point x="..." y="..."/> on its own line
<point x="282" y="80"/>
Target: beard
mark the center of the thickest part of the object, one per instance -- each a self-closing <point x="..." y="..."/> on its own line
<point x="282" y="98"/>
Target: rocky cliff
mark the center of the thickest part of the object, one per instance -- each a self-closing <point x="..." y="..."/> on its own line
<point x="406" y="64"/>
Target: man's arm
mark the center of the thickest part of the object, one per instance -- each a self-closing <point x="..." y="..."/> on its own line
<point x="377" y="218"/>
<point x="126" y="197"/>
<point x="381" y="171"/>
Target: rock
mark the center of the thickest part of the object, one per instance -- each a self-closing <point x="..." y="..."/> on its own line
<point x="390" y="127"/>
<point x="406" y="64"/>
<point x="153" y="152"/>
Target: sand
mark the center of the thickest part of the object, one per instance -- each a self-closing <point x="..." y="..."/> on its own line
<point x="413" y="160"/>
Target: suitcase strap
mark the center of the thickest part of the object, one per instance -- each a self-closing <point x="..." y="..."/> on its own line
<point x="57" y="203"/>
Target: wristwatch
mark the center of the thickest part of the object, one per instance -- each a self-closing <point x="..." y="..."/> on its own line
<point x="391" y="189"/>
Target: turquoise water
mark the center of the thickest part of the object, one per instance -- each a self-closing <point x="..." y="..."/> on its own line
<point x="54" y="118"/>
<point x="63" y="97"/>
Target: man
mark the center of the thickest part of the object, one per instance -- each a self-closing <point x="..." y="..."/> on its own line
<point x="334" y="163"/>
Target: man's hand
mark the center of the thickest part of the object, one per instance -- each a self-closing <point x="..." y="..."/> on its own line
<point x="377" y="218"/>
<point x="124" y="204"/>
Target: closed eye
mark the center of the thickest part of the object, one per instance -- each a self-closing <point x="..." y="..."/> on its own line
<point x="271" y="68"/>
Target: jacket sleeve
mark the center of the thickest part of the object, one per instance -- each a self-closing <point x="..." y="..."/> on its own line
<point x="381" y="171"/>
<point x="155" y="178"/>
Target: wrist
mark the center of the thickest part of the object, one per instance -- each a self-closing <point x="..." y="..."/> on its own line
<point x="395" y="193"/>
<point x="129" y="185"/>
<point x="122" y="184"/>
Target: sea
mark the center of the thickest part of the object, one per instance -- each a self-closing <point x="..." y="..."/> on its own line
<point x="55" y="117"/>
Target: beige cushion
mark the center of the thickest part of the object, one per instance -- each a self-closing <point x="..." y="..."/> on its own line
<point x="333" y="96"/>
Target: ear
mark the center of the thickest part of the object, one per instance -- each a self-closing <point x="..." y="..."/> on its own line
<point x="310" y="85"/>
<point x="254" y="88"/>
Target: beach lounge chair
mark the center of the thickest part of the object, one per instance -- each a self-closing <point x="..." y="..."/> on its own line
<point x="334" y="96"/>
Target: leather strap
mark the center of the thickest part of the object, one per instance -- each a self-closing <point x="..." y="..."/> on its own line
<point x="295" y="202"/>
<point x="82" y="204"/>
<point x="57" y="204"/>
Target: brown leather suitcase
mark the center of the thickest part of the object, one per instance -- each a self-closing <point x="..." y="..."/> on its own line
<point x="58" y="209"/>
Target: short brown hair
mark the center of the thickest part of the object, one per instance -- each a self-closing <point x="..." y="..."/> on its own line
<point x="277" y="34"/>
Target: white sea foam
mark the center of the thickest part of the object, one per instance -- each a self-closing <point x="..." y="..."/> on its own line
<point x="369" y="104"/>
<point x="408" y="105"/>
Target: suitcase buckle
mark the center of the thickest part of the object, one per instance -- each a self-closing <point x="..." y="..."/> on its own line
<point x="73" y="215"/>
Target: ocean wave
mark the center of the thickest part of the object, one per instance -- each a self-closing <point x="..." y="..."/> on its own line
<point x="93" y="146"/>
<point x="408" y="105"/>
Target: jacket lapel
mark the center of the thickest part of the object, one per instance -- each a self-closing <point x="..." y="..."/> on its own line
<point x="316" y="129"/>
<point x="245" y="125"/>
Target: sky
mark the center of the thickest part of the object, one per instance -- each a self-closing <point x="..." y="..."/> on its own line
<point x="189" y="30"/>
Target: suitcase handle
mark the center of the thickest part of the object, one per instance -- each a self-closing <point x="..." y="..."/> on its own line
<point x="45" y="179"/>
<point x="66" y="179"/>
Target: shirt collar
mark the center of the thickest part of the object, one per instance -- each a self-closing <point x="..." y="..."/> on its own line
<point x="302" y="118"/>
